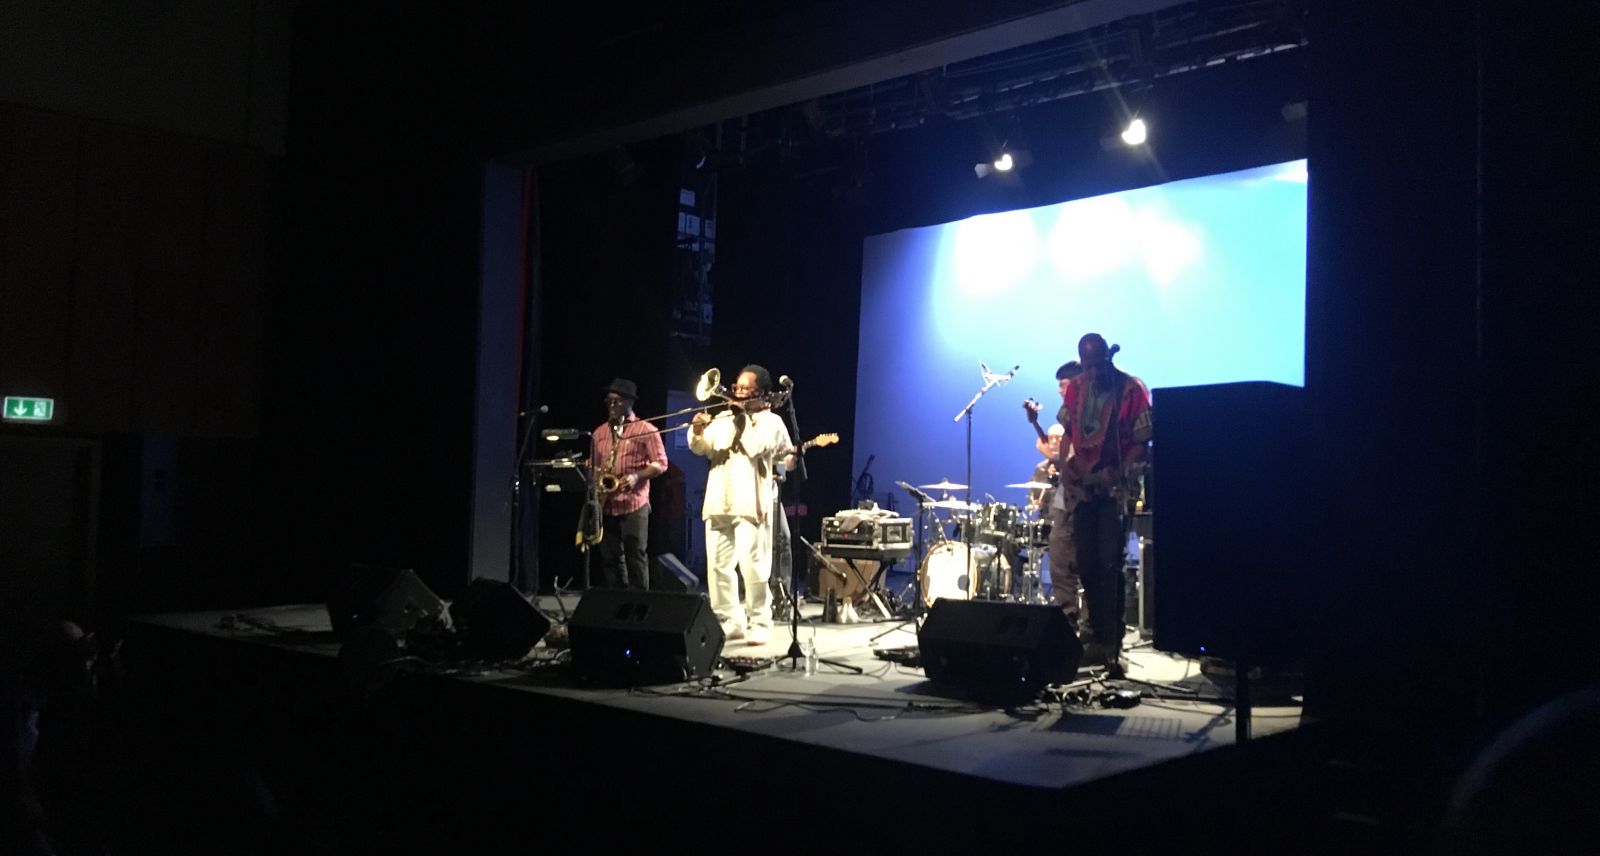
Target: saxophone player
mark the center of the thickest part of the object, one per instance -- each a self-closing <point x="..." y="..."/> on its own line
<point x="625" y="453"/>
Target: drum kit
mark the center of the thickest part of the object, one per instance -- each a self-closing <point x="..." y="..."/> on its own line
<point x="999" y="561"/>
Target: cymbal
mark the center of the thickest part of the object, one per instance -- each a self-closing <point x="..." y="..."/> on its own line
<point x="955" y="503"/>
<point x="1033" y="485"/>
<point x="943" y="485"/>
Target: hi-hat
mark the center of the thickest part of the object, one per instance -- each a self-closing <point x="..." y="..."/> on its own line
<point x="955" y="504"/>
<point x="943" y="485"/>
<point x="1033" y="485"/>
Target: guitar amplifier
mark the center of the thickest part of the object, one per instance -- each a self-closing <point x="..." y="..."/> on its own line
<point x="882" y="534"/>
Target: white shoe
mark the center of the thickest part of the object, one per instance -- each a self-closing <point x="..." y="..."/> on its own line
<point x="848" y="615"/>
<point x="732" y="631"/>
<point x="758" y="635"/>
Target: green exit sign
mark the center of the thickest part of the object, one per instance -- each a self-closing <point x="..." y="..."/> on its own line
<point x="21" y="408"/>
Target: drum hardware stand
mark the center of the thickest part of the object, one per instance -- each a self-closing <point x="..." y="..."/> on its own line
<point x="990" y="381"/>
<point x="924" y="502"/>
<point x="795" y="655"/>
<point x="919" y="606"/>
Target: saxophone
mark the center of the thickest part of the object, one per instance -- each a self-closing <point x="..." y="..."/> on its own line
<point x="607" y="481"/>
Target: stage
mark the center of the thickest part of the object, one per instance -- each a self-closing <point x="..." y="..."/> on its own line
<point x="846" y="746"/>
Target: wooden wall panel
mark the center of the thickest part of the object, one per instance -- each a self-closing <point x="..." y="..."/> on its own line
<point x="37" y="210"/>
<point x="164" y="352"/>
<point x="174" y="215"/>
<point x="100" y="368"/>
<point x="133" y="265"/>
<point x="230" y="309"/>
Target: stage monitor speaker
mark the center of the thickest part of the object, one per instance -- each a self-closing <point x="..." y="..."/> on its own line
<point x="668" y="573"/>
<point x="493" y="621"/>
<point x="1232" y="492"/>
<point x="625" y="637"/>
<point x="391" y="598"/>
<point x="995" y="651"/>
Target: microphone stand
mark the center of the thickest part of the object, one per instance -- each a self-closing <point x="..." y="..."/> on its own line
<point x="518" y="573"/>
<point x="792" y="421"/>
<point x="990" y="381"/>
<point x="795" y="655"/>
<point x="918" y="603"/>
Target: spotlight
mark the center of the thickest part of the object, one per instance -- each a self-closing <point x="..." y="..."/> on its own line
<point x="1135" y="133"/>
<point x="1009" y="159"/>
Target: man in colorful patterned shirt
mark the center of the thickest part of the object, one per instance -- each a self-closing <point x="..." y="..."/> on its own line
<point x="1107" y="417"/>
<point x="630" y="448"/>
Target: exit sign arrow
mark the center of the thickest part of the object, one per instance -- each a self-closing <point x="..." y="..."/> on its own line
<point x="20" y="408"/>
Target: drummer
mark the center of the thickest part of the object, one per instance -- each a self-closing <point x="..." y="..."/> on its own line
<point x="1045" y="471"/>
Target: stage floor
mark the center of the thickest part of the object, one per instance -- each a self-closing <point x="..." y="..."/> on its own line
<point x="890" y="712"/>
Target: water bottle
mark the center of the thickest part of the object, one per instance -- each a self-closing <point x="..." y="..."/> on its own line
<point x="811" y="658"/>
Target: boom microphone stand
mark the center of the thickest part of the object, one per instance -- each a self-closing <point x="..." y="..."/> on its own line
<point x="990" y="381"/>
<point x="795" y="655"/>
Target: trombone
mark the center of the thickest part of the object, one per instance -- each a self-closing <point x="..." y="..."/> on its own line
<point x="709" y="386"/>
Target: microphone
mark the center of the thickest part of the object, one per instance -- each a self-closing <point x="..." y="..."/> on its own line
<point x="1112" y="351"/>
<point x="784" y="380"/>
<point x="915" y="494"/>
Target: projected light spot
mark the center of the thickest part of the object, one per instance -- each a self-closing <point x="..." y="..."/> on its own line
<point x="1091" y="238"/>
<point x="994" y="251"/>
<point x="1294" y="171"/>
<point x="1169" y="248"/>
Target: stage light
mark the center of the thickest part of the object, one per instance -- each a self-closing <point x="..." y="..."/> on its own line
<point x="1008" y="161"/>
<point x="1136" y="132"/>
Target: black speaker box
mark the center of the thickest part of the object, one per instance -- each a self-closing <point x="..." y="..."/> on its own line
<point x="635" y="638"/>
<point x="392" y="598"/>
<point x="996" y="651"/>
<point x="1234" y="493"/>
<point x="493" y="621"/>
<point x="668" y="573"/>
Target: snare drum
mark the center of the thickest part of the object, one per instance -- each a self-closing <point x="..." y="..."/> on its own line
<point x="945" y="572"/>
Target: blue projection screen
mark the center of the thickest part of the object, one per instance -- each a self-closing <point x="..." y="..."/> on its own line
<point x="1200" y="281"/>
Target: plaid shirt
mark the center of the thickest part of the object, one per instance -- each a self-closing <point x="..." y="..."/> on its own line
<point x="641" y="446"/>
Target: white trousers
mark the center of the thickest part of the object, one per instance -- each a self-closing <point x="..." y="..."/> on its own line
<point x="736" y="542"/>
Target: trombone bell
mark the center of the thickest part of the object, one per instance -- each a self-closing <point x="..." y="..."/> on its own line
<point x="710" y="384"/>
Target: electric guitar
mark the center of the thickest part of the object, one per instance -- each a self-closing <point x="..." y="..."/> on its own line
<point x="1121" y="486"/>
<point x="1032" y="408"/>
<point x="817" y="442"/>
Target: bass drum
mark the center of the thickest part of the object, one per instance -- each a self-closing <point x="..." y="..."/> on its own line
<point x="945" y="571"/>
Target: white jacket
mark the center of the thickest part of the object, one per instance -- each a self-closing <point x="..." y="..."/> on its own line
<point x="741" y="484"/>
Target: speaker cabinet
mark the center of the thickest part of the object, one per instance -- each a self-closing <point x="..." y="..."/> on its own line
<point x="625" y="637"/>
<point x="391" y="598"/>
<point x="1234" y="486"/>
<point x="668" y="573"/>
<point x="493" y="621"/>
<point x="994" y="651"/>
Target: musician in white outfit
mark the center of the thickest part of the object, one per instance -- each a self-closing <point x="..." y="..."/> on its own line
<point x="742" y="444"/>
